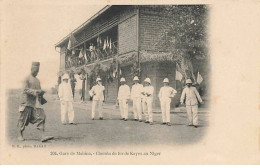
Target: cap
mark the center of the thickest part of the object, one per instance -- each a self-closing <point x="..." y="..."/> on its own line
<point x="98" y="79"/>
<point x="65" y="76"/>
<point x="148" y="80"/>
<point x="136" y="78"/>
<point x="166" y="80"/>
<point x="122" y="80"/>
<point x="35" y="63"/>
<point x="188" y="81"/>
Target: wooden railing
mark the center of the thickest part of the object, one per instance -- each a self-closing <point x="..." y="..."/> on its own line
<point x="91" y="56"/>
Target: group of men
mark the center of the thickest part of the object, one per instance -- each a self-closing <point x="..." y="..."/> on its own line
<point x="142" y="96"/>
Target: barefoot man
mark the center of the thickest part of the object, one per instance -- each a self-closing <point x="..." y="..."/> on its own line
<point x="32" y="99"/>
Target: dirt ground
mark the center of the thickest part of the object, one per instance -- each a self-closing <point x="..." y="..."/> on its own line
<point x="108" y="132"/>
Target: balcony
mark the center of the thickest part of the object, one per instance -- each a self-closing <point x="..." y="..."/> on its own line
<point x="90" y="55"/>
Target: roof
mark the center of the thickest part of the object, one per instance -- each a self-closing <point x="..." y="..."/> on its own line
<point x="83" y="25"/>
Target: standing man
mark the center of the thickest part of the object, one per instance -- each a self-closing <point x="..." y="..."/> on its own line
<point x="191" y="97"/>
<point x="123" y="99"/>
<point x="83" y="78"/>
<point x="165" y="95"/>
<point x="32" y="98"/>
<point x="66" y="99"/>
<point x="147" y="92"/>
<point x="136" y="97"/>
<point x="73" y="83"/>
<point x="97" y="92"/>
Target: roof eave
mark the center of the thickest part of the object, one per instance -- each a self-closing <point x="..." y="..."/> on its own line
<point x="82" y="25"/>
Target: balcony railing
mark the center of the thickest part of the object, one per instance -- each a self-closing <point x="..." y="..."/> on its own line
<point x="91" y="56"/>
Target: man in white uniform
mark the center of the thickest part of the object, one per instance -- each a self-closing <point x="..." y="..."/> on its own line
<point x="191" y="97"/>
<point x="97" y="92"/>
<point x="123" y="99"/>
<point x="66" y="99"/>
<point x="147" y="92"/>
<point x="165" y="95"/>
<point x="136" y="97"/>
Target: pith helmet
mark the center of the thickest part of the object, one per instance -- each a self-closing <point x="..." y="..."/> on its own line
<point x="166" y="80"/>
<point x="148" y="80"/>
<point x="188" y="81"/>
<point x="122" y="80"/>
<point x="98" y="79"/>
<point x="136" y="78"/>
<point x="65" y="76"/>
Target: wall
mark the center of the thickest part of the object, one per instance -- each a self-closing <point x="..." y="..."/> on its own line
<point x="127" y="31"/>
<point x="152" y="26"/>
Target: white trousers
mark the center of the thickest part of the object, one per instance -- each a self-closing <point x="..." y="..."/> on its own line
<point x="67" y="110"/>
<point x="148" y="109"/>
<point x="143" y="106"/>
<point x="123" y="106"/>
<point x="192" y="112"/>
<point x="137" y="108"/>
<point x="165" y="108"/>
<point x="97" y="104"/>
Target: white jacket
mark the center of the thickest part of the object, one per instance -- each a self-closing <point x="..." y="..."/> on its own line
<point x="65" y="92"/>
<point x="124" y="92"/>
<point x="148" y="92"/>
<point x="136" y="91"/>
<point x="191" y="96"/>
<point x="97" y="92"/>
<point x="166" y="92"/>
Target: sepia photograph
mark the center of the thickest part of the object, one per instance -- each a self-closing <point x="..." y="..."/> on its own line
<point x="141" y="68"/>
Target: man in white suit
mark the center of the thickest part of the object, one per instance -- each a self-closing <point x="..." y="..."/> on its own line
<point x="66" y="99"/>
<point x="147" y="92"/>
<point x="165" y="95"/>
<point x="136" y="97"/>
<point x="191" y="97"/>
<point x="123" y="99"/>
<point x="97" y="92"/>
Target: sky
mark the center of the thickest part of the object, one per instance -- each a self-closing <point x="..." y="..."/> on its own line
<point x="30" y="30"/>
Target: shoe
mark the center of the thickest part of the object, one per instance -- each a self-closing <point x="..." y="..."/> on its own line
<point x="125" y="119"/>
<point x="151" y="123"/>
<point x="169" y="124"/>
<point x="93" y="119"/>
<point x="101" y="118"/>
<point x="20" y="138"/>
<point x="146" y="122"/>
<point x="136" y="120"/>
<point x="47" y="138"/>
<point x="163" y="123"/>
<point x="122" y="119"/>
<point x="195" y="126"/>
<point x="73" y="124"/>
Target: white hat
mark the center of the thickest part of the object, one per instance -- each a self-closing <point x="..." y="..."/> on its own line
<point x="148" y="80"/>
<point x="166" y="80"/>
<point x="98" y="79"/>
<point x="122" y="80"/>
<point x="65" y="76"/>
<point x="188" y="81"/>
<point x="136" y="78"/>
